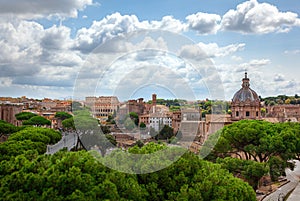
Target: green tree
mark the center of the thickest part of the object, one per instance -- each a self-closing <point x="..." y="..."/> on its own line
<point x="165" y="133"/>
<point x="7" y="128"/>
<point x="142" y="125"/>
<point x="249" y="170"/>
<point x="68" y="123"/>
<point x="37" y="121"/>
<point x="259" y="141"/>
<point x="24" y="115"/>
<point x="135" y="118"/>
<point x="63" y="115"/>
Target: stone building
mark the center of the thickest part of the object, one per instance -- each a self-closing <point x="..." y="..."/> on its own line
<point x="158" y="120"/>
<point x="245" y="103"/>
<point x="283" y="113"/>
<point x="103" y="106"/>
<point x="8" y="112"/>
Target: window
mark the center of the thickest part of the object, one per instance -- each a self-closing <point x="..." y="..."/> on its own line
<point x="237" y="113"/>
<point x="247" y="113"/>
<point x="256" y="113"/>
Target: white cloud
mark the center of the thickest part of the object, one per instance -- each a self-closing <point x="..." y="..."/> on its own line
<point x="31" y="54"/>
<point x="253" y="64"/>
<point x="203" y="23"/>
<point x="117" y="25"/>
<point x="111" y="26"/>
<point x="167" y="23"/>
<point x="193" y="52"/>
<point x="20" y="43"/>
<point x="292" y="52"/>
<point x="236" y="58"/>
<point x="56" y="38"/>
<point x="28" y="9"/>
<point x="202" y="51"/>
<point x="258" y="18"/>
<point x="213" y="49"/>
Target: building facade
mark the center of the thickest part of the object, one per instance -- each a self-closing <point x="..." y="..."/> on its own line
<point x="8" y="112"/>
<point x="102" y="106"/>
<point x="245" y="103"/>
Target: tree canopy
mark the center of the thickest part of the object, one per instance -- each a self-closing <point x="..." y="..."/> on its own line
<point x="79" y="176"/>
<point x="63" y="115"/>
<point x="7" y="128"/>
<point x="24" y="115"/>
<point x="28" y="139"/>
<point x="37" y="121"/>
<point x="260" y="141"/>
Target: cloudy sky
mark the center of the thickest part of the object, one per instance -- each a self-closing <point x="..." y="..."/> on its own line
<point x="132" y="48"/>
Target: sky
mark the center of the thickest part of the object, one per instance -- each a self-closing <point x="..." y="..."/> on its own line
<point x="192" y="49"/>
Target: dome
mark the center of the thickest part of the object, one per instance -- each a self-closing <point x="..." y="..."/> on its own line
<point x="245" y="94"/>
<point x="245" y="103"/>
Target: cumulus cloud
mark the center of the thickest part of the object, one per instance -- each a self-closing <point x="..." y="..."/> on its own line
<point x="30" y="53"/>
<point x="20" y="42"/>
<point x="115" y="25"/>
<point x="56" y="38"/>
<point x="213" y="49"/>
<point x="111" y="26"/>
<point x="258" y="18"/>
<point x="202" y="51"/>
<point x="255" y="63"/>
<point x="167" y="23"/>
<point x="193" y="52"/>
<point x="28" y="9"/>
<point x="203" y="23"/>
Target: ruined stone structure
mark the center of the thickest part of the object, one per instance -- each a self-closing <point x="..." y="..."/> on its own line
<point x="103" y="106"/>
<point x="8" y="112"/>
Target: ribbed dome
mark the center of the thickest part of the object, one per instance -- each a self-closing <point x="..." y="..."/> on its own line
<point x="244" y="94"/>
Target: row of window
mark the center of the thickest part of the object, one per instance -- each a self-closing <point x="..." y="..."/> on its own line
<point x="156" y="121"/>
<point x="247" y="113"/>
<point x="104" y="110"/>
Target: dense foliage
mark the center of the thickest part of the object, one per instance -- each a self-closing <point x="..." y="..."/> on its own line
<point x="165" y="133"/>
<point x="7" y="128"/>
<point x="37" y="121"/>
<point x="62" y="115"/>
<point x="282" y="99"/>
<point x="79" y="176"/>
<point x="260" y="141"/>
<point x="249" y="170"/>
<point x="29" y="138"/>
<point x="82" y="120"/>
<point x="24" y="115"/>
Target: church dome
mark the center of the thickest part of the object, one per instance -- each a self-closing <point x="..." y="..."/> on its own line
<point x="245" y="93"/>
<point x="245" y="103"/>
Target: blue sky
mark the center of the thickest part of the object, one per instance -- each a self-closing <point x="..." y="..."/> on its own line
<point x="49" y="49"/>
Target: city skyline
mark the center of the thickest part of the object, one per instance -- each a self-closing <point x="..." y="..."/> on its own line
<point x="45" y="46"/>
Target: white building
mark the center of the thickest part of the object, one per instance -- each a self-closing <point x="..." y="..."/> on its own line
<point x="158" y="120"/>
